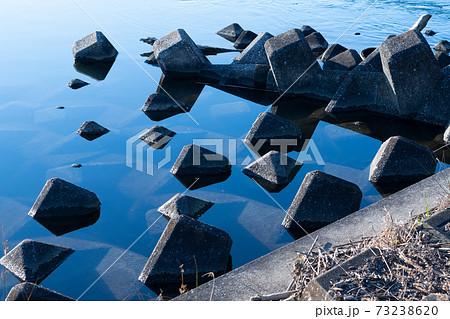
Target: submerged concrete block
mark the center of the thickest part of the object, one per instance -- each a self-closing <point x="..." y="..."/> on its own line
<point x="245" y="38"/>
<point x="255" y="53"/>
<point x="28" y="291"/>
<point x="345" y="61"/>
<point x="91" y="130"/>
<point x="184" y="205"/>
<point x="231" y="32"/>
<point x="157" y="136"/>
<point x="94" y="47"/>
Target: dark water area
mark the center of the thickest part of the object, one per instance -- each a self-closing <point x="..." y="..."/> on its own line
<point x="38" y="141"/>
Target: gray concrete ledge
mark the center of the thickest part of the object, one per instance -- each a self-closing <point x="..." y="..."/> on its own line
<point x="272" y="273"/>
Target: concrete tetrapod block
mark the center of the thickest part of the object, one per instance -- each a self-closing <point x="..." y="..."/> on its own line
<point x="442" y="58"/>
<point x="198" y="167"/>
<point x="443" y="46"/>
<point x="345" y="61"/>
<point x="319" y="288"/>
<point x="62" y="207"/>
<point x="159" y="106"/>
<point x="291" y="59"/>
<point x="177" y="54"/>
<point x="231" y="32"/>
<point x="245" y="38"/>
<point x="157" y="136"/>
<point x="402" y="161"/>
<point x="272" y="132"/>
<point x="190" y="246"/>
<point x="33" y="260"/>
<point x="307" y="30"/>
<point x="321" y="200"/>
<point x="274" y="171"/>
<point x="236" y="74"/>
<point x="28" y="291"/>
<point x="332" y="51"/>
<point x="439" y="225"/>
<point x="91" y="130"/>
<point x="76" y="84"/>
<point x="411" y="69"/>
<point x="94" y="47"/>
<point x="254" y="53"/>
<point x="317" y="43"/>
<point x="184" y="205"/>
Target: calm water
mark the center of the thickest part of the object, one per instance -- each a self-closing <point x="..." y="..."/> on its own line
<point x="38" y="141"/>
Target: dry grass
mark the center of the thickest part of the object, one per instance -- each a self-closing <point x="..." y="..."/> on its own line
<point x="409" y="264"/>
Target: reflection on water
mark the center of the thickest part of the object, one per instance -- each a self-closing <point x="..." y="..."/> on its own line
<point x="97" y="71"/>
<point x="39" y="142"/>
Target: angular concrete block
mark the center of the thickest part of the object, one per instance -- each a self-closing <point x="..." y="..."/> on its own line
<point x="197" y="167"/>
<point x="157" y="136"/>
<point x="269" y="131"/>
<point x="177" y="54"/>
<point x="345" y="61"/>
<point x="231" y="32"/>
<point x="62" y="207"/>
<point x="317" y="43"/>
<point x="442" y="58"/>
<point x="94" y="48"/>
<point x="291" y="59"/>
<point x="28" y="291"/>
<point x="245" y="38"/>
<point x="321" y="200"/>
<point x="91" y="130"/>
<point x="184" y="205"/>
<point x="190" y="246"/>
<point x="411" y="68"/>
<point x="332" y="51"/>
<point x="273" y="171"/>
<point x="159" y="107"/>
<point x="254" y="53"/>
<point x="33" y="260"/>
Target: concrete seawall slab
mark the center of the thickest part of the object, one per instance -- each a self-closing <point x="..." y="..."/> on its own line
<point x="272" y="273"/>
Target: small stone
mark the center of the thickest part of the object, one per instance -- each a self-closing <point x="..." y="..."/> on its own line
<point x="255" y="53"/>
<point x="76" y="165"/>
<point x="345" y="61"/>
<point x="245" y="38"/>
<point x="75" y="84"/>
<point x="400" y="160"/>
<point x="159" y="106"/>
<point x="430" y="33"/>
<point x="181" y="204"/>
<point x="321" y="200"/>
<point x="28" y="291"/>
<point x="91" y="130"/>
<point x="148" y="40"/>
<point x="157" y="136"/>
<point x="62" y="207"/>
<point x="177" y="54"/>
<point x="317" y="43"/>
<point x="442" y="58"/>
<point x="197" y="167"/>
<point x="332" y="51"/>
<point x="274" y="171"/>
<point x="270" y="132"/>
<point x="33" y="260"/>
<point x="190" y="248"/>
<point x="60" y="107"/>
<point x="231" y="32"/>
<point x="443" y="46"/>
<point x="307" y="30"/>
<point x="94" y="48"/>
<point x="357" y="33"/>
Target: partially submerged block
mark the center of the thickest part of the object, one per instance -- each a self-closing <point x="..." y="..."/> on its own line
<point x="159" y="106"/>
<point x="157" y="136"/>
<point x="33" y="261"/>
<point x="231" y="32"/>
<point x="321" y="200"/>
<point x="94" y="47"/>
<point x="62" y="207"/>
<point x="291" y="60"/>
<point x="245" y="38"/>
<point x="197" y="167"/>
<point x="91" y="130"/>
<point x="181" y="204"/>
<point x="345" y="61"/>
<point x="273" y="171"/>
<point x="411" y="69"/>
<point x="317" y="43"/>
<point x="254" y="53"/>
<point x="307" y="30"/>
<point x="177" y="54"/>
<point x="442" y="58"/>
<point x="187" y="248"/>
<point x="272" y="132"/>
<point x="400" y="160"/>
<point x="332" y="51"/>
<point x="28" y="291"/>
<point x="76" y="84"/>
<point x="443" y="46"/>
